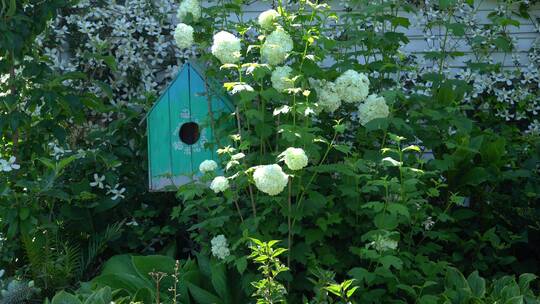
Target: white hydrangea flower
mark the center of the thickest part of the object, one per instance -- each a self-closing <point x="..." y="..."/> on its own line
<point x="294" y="158"/>
<point x="276" y="47"/>
<point x="270" y="179"/>
<point x="226" y="47"/>
<point x="267" y="18"/>
<point x="208" y="166"/>
<point x="219" y="184"/>
<point x="183" y="35"/>
<point x="328" y="98"/>
<point x="352" y="86"/>
<point x="8" y="165"/>
<point x="220" y="248"/>
<point x="192" y="7"/>
<point x="374" y="107"/>
<point x="281" y="78"/>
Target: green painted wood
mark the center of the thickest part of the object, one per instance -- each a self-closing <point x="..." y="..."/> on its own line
<point x="158" y="142"/>
<point x="179" y="114"/>
<point x="171" y="161"/>
<point x="199" y="112"/>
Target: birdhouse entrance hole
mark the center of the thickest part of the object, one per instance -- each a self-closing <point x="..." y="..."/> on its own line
<point x="189" y="133"/>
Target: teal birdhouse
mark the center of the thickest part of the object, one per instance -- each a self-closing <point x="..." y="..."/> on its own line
<point x="179" y="126"/>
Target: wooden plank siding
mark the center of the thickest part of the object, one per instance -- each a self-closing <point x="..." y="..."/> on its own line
<point x="527" y="34"/>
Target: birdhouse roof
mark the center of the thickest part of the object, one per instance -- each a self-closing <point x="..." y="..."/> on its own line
<point x="212" y="85"/>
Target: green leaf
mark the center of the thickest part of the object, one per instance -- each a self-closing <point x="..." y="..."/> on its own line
<point x="65" y="298"/>
<point x="386" y="221"/>
<point x="412" y="148"/>
<point x="475" y="176"/>
<point x="343" y="148"/>
<point x="334" y="289"/>
<point x="47" y="162"/>
<point x="525" y="280"/>
<point x="477" y="284"/>
<point x="428" y="299"/>
<point x="64" y="162"/>
<point x="408" y="289"/>
<point x="454" y="279"/>
<point x="241" y="264"/>
<point x="515" y="300"/>
<point x="391" y="261"/>
<point x="144" y="295"/>
<point x="362" y="275"/>
<point x="202" y="296"/>
<point x="219" y="281"/>
<point x="102" y="296"/>
<point x="398" y="209"/>
<point x="458" y="29"/>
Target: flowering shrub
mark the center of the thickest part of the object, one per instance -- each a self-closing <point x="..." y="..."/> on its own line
<point x="311" y="159"/>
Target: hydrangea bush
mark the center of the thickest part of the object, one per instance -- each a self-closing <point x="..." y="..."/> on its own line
<point x="381" y="166"/>
<point x="313" y="158"/>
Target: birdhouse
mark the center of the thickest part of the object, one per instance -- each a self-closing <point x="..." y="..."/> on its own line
<point x="180" y="126"/>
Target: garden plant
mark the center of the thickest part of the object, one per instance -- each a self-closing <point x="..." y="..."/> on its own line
<point x="349" y="171"/>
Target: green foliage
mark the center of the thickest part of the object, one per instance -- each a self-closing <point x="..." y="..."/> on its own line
<point x="146" y="279"/>
<point x="457" y="188"/>
<point x="18" y="292"/>
<point x="268" y="290"/>
<point x="473" y="289"/>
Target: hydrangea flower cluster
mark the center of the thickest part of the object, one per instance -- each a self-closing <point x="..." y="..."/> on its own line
<point x="352" y="87"/>
<point x="276" y="47"/>
<point x="374" y="107"/>
<point x="226" y="47"/>
<point x="183" y="35"/>
<point x="328" y="98"/>
<point x="294" y="158"/>
<point x="220" y="247"/>
<point x="281" y="78"/>
<point x="188" y="7"/>
<point x="208" y="166"/>
<point x="267" y="18"/>
<point x="270" y="179"/>
<point x="219" y="184"/>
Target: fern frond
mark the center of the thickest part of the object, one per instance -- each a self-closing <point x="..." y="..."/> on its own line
<point x="98" y="242"/>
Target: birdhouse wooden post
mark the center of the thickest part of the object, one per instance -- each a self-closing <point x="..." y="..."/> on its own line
<point x="179" y="125"/>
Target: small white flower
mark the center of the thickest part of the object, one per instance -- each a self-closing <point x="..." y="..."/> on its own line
<point x="270" y="179"/>
<point x="192" y="7"/>
<point x="219" y="184"/>
<point x="183" y="35"/>
<point x="276" y="47"/>
<point x="294" y="158"/>
<point x="117" y="193"/>
<point x="208" y="166"/>
<point x="98" y="181"/>
<point x="133" y="222"/>
<point x="226" y="47"/>
<point x="8" y="165"/>
<point x="374" y="107"/>
<point x="352" y="86"/>
<point x="428" y="223"/>
<point x="220" y="248"/>
<point x="267" y="19"/>
<point x="281" y="78"/>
